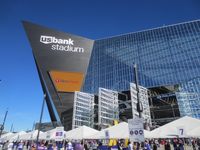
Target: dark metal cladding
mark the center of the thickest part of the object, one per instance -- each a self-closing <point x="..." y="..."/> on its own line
<point x="70" y="53"/>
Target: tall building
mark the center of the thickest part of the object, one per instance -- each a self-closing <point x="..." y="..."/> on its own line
<point x="143" y="97"/>
<point x="83" y="110"/>
<point x="108" y="107"/>
<point x="167" y="56"/>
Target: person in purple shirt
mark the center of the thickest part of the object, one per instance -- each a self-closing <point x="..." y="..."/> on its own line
<point x="78" y="146"/>
<point x="41" y="147"/>
<point x="20" y="145"/>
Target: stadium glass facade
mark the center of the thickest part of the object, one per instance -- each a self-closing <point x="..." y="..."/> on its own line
<point x="169" y="55"/>
<point x="189" y="98"/>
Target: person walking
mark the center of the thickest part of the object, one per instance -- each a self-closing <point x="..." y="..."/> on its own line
<point x="78" y="146"/>
<point x="175" y="144"/>
<point x="154" y="146"/>
<point x="20" y="146"/>
<point x="10" y="146"/>
<point x="54" y="147"/>
<point x="41" y="146"/>
<point x="69" y="146"/>
<point x="147" y="146"/>
<point x="167" y="146"/>
<point x="181" y="145"/>
<point x="130" y="146"/>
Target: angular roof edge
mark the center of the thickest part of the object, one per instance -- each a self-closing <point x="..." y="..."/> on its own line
<point x="145" y="30"/>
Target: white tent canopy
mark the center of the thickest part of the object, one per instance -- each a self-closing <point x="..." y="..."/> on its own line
<point x="80" y="133"/>
<point x="194" y="133"/>
<point x="43" y="136"/>
<point x="17" y="136"/>
<point x="30" y="135"/>
<point x="7" y="136"/>
<point x="119" y="131"/>
<point x="170" y="130"/>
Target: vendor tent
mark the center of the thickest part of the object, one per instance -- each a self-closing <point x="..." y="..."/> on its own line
<point x="43" y="136"/>
<point x="30" y="135"/>
<point x="119" y="131"/>
<point x="194" y="133"/>
<point x="82" y="132"/>
<point x="6" y="137"/>
<point x="17" y="136"/>
<point x="171" y="129"/>
<point x="147" y="134"/>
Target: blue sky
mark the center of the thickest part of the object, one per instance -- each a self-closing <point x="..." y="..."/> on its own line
<point x="20" y="89"/>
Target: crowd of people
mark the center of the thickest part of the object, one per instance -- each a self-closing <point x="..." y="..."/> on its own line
<point x="154" y="144"/>
<point x="166" y="144"/>
<point x="49" y="145"/>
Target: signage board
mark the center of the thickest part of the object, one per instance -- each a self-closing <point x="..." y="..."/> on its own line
<point x="136" y="129"/>
<point x="107" y="136"/>
<point x="59" y="134"/>
<point x="181" y="131"/>
<point x="67" y="81"/>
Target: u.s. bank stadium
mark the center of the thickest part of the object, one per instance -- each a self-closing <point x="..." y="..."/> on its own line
<point x="91" y="82"/>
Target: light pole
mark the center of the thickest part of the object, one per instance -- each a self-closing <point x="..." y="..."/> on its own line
<point x="11" y="128"/>
<point x="38" y="134"/>
<point x="139" y="106"/>
<point x="4" y="120"/>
